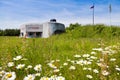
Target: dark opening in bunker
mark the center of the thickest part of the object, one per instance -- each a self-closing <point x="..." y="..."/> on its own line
<point x="58" y="32"/>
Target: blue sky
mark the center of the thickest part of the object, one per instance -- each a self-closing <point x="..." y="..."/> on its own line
<point x="14" y="13"/>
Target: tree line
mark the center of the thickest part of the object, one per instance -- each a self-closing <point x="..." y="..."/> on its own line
<point x="10" y="32"/>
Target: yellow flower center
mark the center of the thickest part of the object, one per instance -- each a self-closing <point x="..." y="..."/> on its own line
<point x="46" y="78"/>
<point x="9" y="75"/>
<point x="30" y="78"/>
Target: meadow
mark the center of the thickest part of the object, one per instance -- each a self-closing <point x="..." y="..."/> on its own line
<point x="81" y="53"/>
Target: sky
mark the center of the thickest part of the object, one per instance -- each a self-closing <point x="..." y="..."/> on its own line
<point x="14" y="13"/>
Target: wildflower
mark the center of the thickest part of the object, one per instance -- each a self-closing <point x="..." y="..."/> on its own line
<point x="112" y="59"/>
<point x="116" y="66"/>
<point x="37" y="74"/>
<point x="29" y="66"/>
<point x="57" y="60"/>
<point x="10" y="64"/>
<point x="0" y="68"/>
<point x="113" y="51"/>
<point x="89" y="76"/>
<point x="86" y="55"/>
<point x="60" y="78"/>
<point x="9" y="76"/>
<point x="93" y="57"/>
<point x="72" y="61"/>
<point x="118" y="73"/>
<point x="97" y="49"/>
<point x="118" y="69"/>
<point x="105" y="73"/>
<point x="20" y="66"/>
<point x="68" y="60"/>
<point x="17" y="58"/>
<point x="56" y="70"/>
<point x="84" y="68"/>
<point x="106" y="52"/>
<point x="52" y="61"/>
<point x="2" y="73"/>
<point x="61" y="66"/>
<point x="77" y="56"/>
<point x="102" y="65"/>
<point x="85" y="62"/>
<point x="44" y="78"/>
<point x="107" y="48"/>
<point x="89" y="69"/>
<point x="72" y="68"/>
<point x="52" y="65"/>
<point x="95" y="71"/>
<point x="101" y="60"/>
<point x="79" y="62"/>
<point x="29" y="77"/>
<point x="53" y="77"/>
<point x="65" y="64"/>
<point x="38" y="67"/>
<point x="93" y="52"/>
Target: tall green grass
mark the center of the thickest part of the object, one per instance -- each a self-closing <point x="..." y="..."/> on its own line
<point x="76" y="40"/>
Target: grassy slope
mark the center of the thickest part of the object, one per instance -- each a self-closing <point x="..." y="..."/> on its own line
<point x="78" y="40"/>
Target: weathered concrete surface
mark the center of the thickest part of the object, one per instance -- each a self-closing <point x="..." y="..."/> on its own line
<point x="41" y="30"/>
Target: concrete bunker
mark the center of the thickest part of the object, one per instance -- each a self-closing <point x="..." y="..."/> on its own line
<point x="41" y="30"/>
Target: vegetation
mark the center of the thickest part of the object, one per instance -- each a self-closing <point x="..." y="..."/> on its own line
<point x="10" y="32"/>
<point x="81" y="53"/>
<point x="96" y="31"/>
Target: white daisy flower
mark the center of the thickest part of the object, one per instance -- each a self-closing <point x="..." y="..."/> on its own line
<point x="68" y="60"/>
<point x="97" y="49"/>
<point x="37" y="74"/>
<point x="57" y="60"/>
<point x="56" y="70"/>
<point x="52" y="61"/>
<point x="60" y="78"/>
<point x="105" y="73"/>
<point x="38" y="67"/>
<point x="84" y="68"/>
<point x="85" y="62"/>
<point x="89" y="76"/>
<point x="118" y="73"/>
<point x="95" y="71"/>
<point x="44" y="78"/>
<point x="17" y="58"/>
<point x="2" y="73"/>
<point x="52" y="65"/>
<point x="29" y="77"/>
<point x="72" y="68"/>
<point x="89" y="69"/>
<point x="93" y="52"/>
<point x="113" y="59"/>
<point x="20" y="66"/>
<point x="93" y="57"/>
<point x="65" y="64"/>
<point x="72" y="61"/>
<point x="10" y="64"/>
<point x="0" y="68"/>
<point x="118" y="69"/>
<point x="9" y="76"/>
<point x="29" y="66"/>
<point x="77" y="56"/>
<point x="86" y="55"/>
